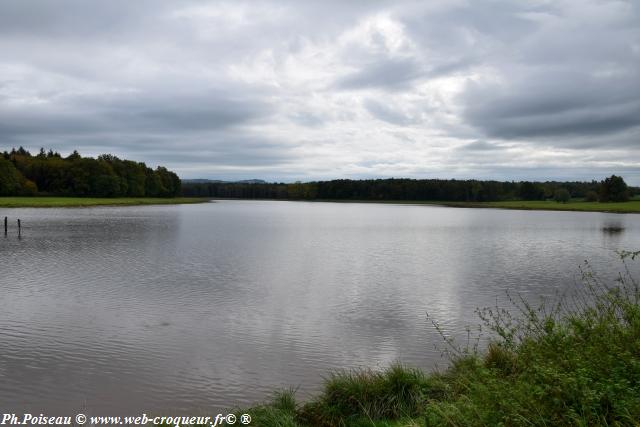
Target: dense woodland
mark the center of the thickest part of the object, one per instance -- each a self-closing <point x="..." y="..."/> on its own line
<point x="48" y="173"/>
<point x="611" y="189"/>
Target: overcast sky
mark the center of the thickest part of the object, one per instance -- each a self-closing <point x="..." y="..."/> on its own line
<point x="295" y="90"/>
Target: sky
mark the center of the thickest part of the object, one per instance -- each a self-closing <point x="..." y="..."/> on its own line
<point x="308" y="90"/>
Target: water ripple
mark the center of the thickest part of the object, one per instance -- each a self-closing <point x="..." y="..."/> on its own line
<point x="201" y="307"/>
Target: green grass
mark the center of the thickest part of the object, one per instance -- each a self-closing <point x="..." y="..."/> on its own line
<point x="70" y="202"/>
<point x="356" y="397"/>
<point x="622" y="207"/>
<point x="574" y="363"/>
<point x="632" y="206"/>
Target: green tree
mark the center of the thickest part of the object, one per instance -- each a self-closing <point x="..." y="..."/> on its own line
<point x="10" y="179"/>
<point x="135" y="178"/>
<point x="48" y="173"/>
<point x="169" y="182"/>
<point x="103" y="180"/>
<point x="591" y="196"/>
<point x="152" y="183"/>
<point x="562" y="195"/>
<point x="29" y="188"/>
<point x="531" y="191"/>
<point x="613" y="189"/>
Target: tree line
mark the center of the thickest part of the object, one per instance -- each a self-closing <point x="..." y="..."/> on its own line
<point x="611" y="189"/>
<point x="50" y="174"/>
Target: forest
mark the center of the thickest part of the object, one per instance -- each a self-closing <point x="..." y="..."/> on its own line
<point x="611" y="189"/>
<point x="50" y="174"/>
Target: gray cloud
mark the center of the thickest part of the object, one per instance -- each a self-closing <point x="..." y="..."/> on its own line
<point x="305" y="90"/>
<point x="387" y="74"/>
<point x="387" y="113"/>
<point x="573" y="75"/>
<point x="144" y="112"/>
<point x="481" y="146"/>
<point x="548" y="104"/>
<point x="306" y="118"/>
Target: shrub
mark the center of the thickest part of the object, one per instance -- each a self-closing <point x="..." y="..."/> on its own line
<point x="591" y="196"/>
<point x="347" y="397"/>
<point x="561" y="196"/>
<point x="279" y="412"/>
<point x="575" y="363"/>
<point x="614" y="189"/>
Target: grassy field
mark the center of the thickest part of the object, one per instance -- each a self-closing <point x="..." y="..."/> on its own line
<point x="71" y="202"/>
<point x="624" y="207"/>
<point x="576" y="363"/>
<point x="632" y="206"/>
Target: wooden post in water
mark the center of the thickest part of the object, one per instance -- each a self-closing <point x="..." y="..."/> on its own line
<point x="19" y="227"/>
<point x="5" y="225"/>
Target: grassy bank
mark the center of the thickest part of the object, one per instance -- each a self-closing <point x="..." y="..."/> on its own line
<point x="622" y="207"/>
<point x="632" y="206"/>
<point x="576" y="363"/>
<point x="70" y="202"/>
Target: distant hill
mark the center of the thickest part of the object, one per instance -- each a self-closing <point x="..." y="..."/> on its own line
<point x="217" y="181"/>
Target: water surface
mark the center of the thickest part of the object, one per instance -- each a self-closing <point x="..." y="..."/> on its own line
<point x="195" y="308"/>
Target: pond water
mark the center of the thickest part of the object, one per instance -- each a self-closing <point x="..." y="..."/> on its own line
<point x="195" y="308"/>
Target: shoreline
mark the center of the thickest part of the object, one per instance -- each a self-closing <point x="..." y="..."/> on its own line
<point x="528" y="370"/>
<point x="88" y="202"/>
<point x="632" y="206"/>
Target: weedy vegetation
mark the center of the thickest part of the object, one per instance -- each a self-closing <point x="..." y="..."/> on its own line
<point x="76" y="202"/>
<point x="573" y="363"/>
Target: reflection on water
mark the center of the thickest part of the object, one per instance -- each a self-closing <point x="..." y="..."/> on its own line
<point x="199" y="307"/>
<point x="613" y="228"/>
